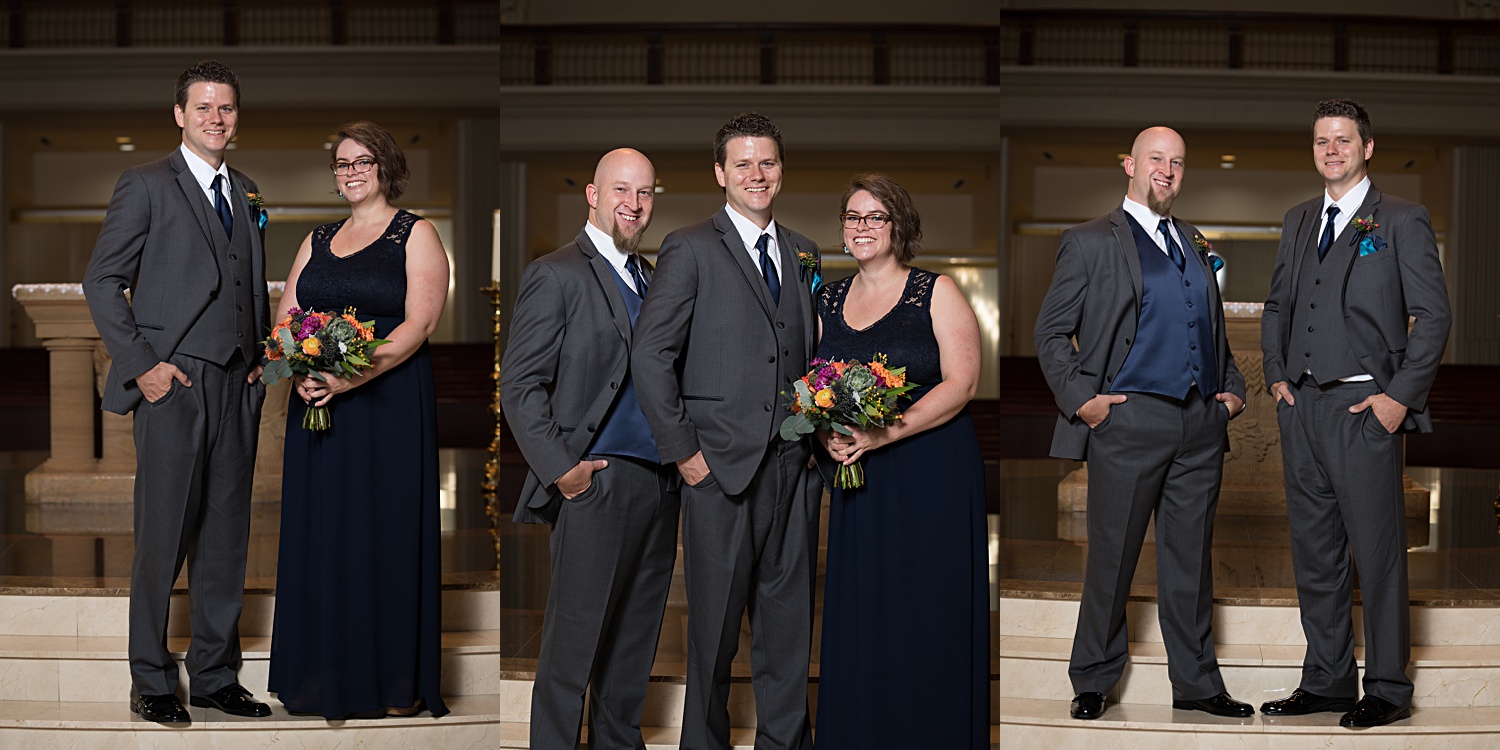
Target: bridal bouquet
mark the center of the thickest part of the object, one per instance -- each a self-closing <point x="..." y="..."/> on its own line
<point x="307" y="342"/>
<point x="838" y="395"/>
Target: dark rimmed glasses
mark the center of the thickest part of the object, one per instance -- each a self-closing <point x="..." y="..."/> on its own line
<point x="358" y="166"/>
<point x="873" y="221"/>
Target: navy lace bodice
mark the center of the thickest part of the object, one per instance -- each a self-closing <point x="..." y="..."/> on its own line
<point x="372" y="279"/>
<point x="904" y="335"/>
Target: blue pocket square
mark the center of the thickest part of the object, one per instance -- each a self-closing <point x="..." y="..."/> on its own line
<point x="1370" y="244"/>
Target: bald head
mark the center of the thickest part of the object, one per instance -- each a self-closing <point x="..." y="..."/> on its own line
<point x="621" y="196"/>
<point x="1155" y="168"/>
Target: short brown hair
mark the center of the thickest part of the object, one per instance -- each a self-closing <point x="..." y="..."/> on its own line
<point x="207" y="71"/>
<point x="746" y="125"/>
<point x="1346" y="108"/>
<point x="388" y="156"/>
<point x="906" y="225"/>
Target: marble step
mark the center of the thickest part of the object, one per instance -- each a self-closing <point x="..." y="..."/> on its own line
<point x="55" y="725"/>
<point x="666" y="692"/>
<point x="1252" y="624"/>
<point x="1443" y="676"/>
<point x="515" y="735"/>
<point x="1029" y="722"/>
<point x="85" y="612"/>
<point x="85" y="669"/>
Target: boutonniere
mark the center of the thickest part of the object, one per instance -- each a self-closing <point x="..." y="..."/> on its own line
<point x="808" y="263"/>
<point x="258" y="203"/>
<point x="1365" y="237"/>
<point x="1205" y="249"/>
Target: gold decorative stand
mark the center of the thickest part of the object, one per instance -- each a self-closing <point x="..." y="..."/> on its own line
<point x="492" y="465"/>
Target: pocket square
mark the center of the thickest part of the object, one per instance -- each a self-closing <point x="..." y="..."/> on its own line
<point x="1370" y="245"/>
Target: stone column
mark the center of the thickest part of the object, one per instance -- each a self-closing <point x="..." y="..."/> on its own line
<point x="476" y="196"/>
<point x="1473" y="255"/>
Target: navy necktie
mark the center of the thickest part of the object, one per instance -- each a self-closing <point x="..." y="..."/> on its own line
<point x="635" y="275"/>
<point x="1173" y="251"/>
<point x="1327" y="240"/>
<point x="221" y="206"/>
<point x="768" y="269"/>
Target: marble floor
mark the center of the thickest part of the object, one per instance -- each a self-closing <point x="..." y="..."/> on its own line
<point x="1454" y="560"/>
<point x="99" y="562"/>
<point x="525" y="576"/>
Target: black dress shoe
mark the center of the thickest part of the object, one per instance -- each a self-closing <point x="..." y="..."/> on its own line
<point x="1218" y="705"/>
<point x="1374" y="712"/>
<point x="1087" y="706"/>
<point x="232" y="699"/>
<point x="1301" y="703"/>
<point x="163" y="709"/>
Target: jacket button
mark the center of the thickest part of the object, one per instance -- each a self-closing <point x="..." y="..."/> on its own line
<point x="1307" y="354"/>
<point x="1317" y="282"/>
<point x="236" y="282"/>
<point x="785" y="353"/>
<point x="1127" y="342"/>
<point x="771" y="359"/>
<point x="768" y="407"/>
<point x="239" y="334"/>
<point x="1109" y="378"/>
<point x="1313" y="305"/>
<point x="614" y="386"/>
<point x="591" y="428"/>
<point x="1309" y="329"/>
<point x="232" y="257"/>
<point x="780" y="324"/>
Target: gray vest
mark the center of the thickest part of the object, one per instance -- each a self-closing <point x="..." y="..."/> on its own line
<point x="1319" y="340"/>
<point x="791" y="345"/>
<point x="228" y="323"/>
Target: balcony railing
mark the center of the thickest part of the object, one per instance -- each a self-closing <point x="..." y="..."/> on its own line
<point x="1250" y="41"/>
<point x="743" y="55"/>
<point x="179" y="23"/>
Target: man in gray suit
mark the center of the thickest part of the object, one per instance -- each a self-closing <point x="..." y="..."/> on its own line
<point x="181" y="236"/>
<point x="1353" y="265"/>
<point x="1146" y="397"/>
<point x="727" y="328"/>
<point x="568" y="394"/>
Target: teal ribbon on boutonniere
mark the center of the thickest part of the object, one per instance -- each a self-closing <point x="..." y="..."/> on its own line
<point x="808" y="264"/>
<point x="258" y="205"/>
<point x="1364" y="236"/>
<point x="1205" y="249"/>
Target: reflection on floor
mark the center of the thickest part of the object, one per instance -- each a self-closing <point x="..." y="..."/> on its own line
<point x="525" y="576"/>
<point x="99" y="563"/>
<point x="1459" y="565"/>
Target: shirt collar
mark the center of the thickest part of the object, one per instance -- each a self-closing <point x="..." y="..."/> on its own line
<point x="605" y="245"/>
<point x="1352" y="200"/>
<point x="1148" y="219"/>
<point x="748" y="232"/>
<point x="201" y="169"/>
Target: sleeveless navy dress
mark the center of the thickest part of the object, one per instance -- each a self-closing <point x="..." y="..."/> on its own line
<point x="905" y="606"/>
<point x="357" y="625"/>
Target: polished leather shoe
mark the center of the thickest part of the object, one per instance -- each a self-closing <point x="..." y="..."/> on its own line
<point x="1374" y="712"/>
<point x="1301" y="703"/>
<point x="1218" y="705"/>
<point x="1087" y="706"/>
<point x="163" y="709"/>
<point x="232" y="699"/>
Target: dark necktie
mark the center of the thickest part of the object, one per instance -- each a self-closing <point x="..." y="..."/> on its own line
<point x="1173" y="251"/>
<point x="221" y="206"/>
<point x="1327" y="240"/>
<point x="635" y="275"/>
<point x="768" y="269"/>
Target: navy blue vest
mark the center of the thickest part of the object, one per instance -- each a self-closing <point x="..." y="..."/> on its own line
<point x="1174" y="344"/>
<point x="625" y="432"/>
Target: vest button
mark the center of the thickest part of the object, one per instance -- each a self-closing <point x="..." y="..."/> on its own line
<point x="1192" y="347"/>
<point x="1307" y="354"/>
<point x="1187" y="282"/>
<point x="768" y="407"/>
<point x="236" y="282"/>
<point x="785" y="353"/>
<point x="1195" y="369"/>
<point x="1317" y="282"/>
<point x="1190" y="304"/>
<point x="1313" y="305"/>
<point x="1309" y="329"/>
<point x="239" y="334"/>
<point x="232" y="257"/>
<point x="1192" y="324"/>
<point x="771" y="359"/>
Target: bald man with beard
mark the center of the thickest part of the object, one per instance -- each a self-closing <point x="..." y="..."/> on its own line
<point x="1145" y="396"/>
<point x="595" y="475"/>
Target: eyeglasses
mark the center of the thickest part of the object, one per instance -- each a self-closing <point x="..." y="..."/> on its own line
<point x="873" y="221"/>
<point x="355" y="167"/>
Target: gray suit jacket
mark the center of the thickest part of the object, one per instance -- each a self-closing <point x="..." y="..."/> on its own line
<point x="701" y="367"/>
<point x="1096" y="296"/>
<point x="157" y="242"/>
<point x="567" y="356"/>
<point x="1380" y="292"/>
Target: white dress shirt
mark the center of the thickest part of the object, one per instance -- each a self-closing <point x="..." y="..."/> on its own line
<point x="1151" y="222"/>
<point x="749" y="234"/>
<point x="1348" y="205"/>
<point x="205" y="174"/>
<point x="616" y="257"/>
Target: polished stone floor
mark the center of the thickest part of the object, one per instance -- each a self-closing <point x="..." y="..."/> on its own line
<point x="1454" y="558"/>
<point x="99" y="563"/>
<point x="525" y="577"/>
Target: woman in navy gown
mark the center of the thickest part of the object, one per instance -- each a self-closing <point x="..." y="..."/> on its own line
<point x="905" y="608"/>
<point x="357" y="631"/>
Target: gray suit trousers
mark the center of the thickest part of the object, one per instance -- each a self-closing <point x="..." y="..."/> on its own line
<point x="195" y="461"/>
<point x="757" y="549"/>
<point x="1343" y="493"/>
<point x="613" y="549"/>
<point x="1152" y="454"/>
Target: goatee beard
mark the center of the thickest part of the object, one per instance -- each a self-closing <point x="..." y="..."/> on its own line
<point x="1160" y="206"/>
<point x="627" y="243"/>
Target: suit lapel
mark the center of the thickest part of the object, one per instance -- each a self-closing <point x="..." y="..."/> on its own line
<point x="192" y="192"/>
<point x="741" y="258"/>
<point x="1125" y="242"/>
<point x="604" y="274"/>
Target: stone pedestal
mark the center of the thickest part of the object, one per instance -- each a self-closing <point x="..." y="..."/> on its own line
<point x="84" y="487"/>
<point x="1253" y="483"/>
